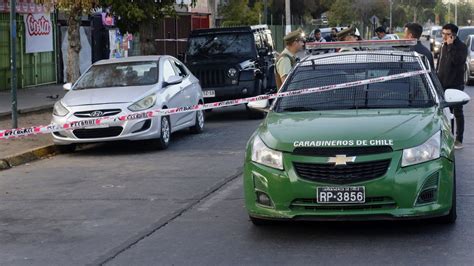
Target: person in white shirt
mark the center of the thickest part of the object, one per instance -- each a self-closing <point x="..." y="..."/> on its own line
<point x="380" y="34"/>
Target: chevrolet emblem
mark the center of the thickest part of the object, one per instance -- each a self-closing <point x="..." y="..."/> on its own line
<point x="341" y="160"/>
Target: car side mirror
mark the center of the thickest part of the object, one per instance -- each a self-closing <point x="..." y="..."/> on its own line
<point x="453" y="97"/>
<point x="172" y="80"/>
<point x="262" y="105"/>
<point x="67" y="86"/>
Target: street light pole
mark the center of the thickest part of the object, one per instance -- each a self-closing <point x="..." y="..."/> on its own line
<point x="265" y="12"/>
<point x="13" y="62"/>
<point x="391" y="4"/>
<point x="456" y="12"/>
<point x="287" y="17"/>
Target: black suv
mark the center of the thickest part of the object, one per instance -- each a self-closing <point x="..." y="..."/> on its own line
<point x="232" y="63"/>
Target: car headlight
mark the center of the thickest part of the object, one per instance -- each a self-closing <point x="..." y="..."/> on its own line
<point x="143" y="104"/>
<point x="427" y="151"/>
<point x="59" y="109"/>
<point x="232" y="72"/>
<point x="437" y="43"/>
<point x="263" y="155"/>
<point x="431" y="40"/>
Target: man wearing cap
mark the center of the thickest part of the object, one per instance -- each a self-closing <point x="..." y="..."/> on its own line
<point x="381" y="34"/>
<point x="287" y="59"/>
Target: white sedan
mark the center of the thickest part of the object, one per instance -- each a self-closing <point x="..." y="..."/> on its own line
<point x="121" y="87"/>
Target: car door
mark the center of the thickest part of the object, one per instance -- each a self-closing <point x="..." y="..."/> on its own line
<point x="173" y="94"/>
<point x="188" y="90"/>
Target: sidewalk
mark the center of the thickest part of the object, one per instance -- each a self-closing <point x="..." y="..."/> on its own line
<point x="34" y="108"/>
<point x="31" y="99"/>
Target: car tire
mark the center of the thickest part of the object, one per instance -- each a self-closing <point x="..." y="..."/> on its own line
<point x="163" y="141"/>
<point x="467" y="81"/>
<point x="452" y="215"/>
<point x="69" y="148"/>
<point x="259" y="222"/>
<point x="199" y="123"/>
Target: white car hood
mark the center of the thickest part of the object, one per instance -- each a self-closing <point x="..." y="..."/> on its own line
<point x="111" y="95"/>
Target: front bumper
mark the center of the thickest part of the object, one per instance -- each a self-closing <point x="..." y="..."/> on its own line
<point x="231" y="92"/>
<point x="139" y="129"/>
<point x="394" y="194"/>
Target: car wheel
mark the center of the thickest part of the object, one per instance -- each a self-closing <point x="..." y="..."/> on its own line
<point x="467" y="81"/>
<point x="260" y="222"/>
<point x="163" y="141"/>
<point x="199" y="123"/>
<point x="69" y="148"/>
<point x="452" y="215"/>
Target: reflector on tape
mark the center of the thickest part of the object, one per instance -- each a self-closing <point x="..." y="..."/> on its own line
<point x="361" y="44"/>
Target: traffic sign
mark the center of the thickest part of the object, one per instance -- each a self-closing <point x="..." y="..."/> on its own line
<point x="374" y="20"/>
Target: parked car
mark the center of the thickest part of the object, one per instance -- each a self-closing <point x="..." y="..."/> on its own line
<point x="465" y="31"/>
<point x="376" y="151"/>
<point x="123" y="87"/>
<point x="469" y="76"/>
<point x="436" y="41"/>
<point x="232" y="63"/>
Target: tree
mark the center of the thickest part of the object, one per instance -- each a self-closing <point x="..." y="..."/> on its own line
<point x="240" y="12"/>
<point x="142" y="16"/>
<point x="341" y="13"/>
<point x="74" y="10"/>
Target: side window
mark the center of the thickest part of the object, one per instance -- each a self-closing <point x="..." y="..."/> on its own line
<point x="168" y="70"/>
<point x="269" y="40"/>
<point x="180" y="69"/>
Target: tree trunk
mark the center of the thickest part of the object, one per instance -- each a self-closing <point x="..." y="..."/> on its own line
<point x="74" y="39"/>
<point x="414" y="14"/>
<point x="437" y="22"/>
<point x="148" y="45"/>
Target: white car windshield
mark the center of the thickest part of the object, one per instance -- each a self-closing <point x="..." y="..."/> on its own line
<point x="119" y="75"/>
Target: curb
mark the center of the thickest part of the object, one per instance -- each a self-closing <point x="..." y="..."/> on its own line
<point x="28" y="110"/>
<point x="28" y="156"/>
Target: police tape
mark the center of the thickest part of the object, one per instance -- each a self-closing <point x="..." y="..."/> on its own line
<point x="97" y="122"/>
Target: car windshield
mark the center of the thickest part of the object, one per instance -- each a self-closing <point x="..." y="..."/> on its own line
<point x="463" y="33"/>
<point x="119" y="75"/>
<point x="437" y="33"/>
<point x="410" y="92"/>
<point x="237" y="44"/>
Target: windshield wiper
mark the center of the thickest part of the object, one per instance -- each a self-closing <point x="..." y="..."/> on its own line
<point x="297" y="109"/>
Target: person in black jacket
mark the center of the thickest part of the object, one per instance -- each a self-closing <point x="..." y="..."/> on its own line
<point x="450" y="68"/>
<point x="414" y="31"/>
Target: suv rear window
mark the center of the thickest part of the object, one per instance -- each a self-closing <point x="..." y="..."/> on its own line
<point x="234" y="44"/>
<point x="410" y="92"/>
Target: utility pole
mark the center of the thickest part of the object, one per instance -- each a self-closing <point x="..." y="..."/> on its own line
<point x="13" y="62"/>
<point x="287" y="17"/>
<point x="265" y="12"/>
<point x="391" y="4"/>
<point x="449" y="12"/>
<point x="456" y="12"/>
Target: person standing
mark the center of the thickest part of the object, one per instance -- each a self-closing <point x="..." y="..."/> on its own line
<point x="450" y="68"/>
<point x="381" y="34"/>
<point x="414" y="31"/>
<point x="287" y="59"/>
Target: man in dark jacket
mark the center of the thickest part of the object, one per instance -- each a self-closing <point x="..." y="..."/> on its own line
<point x="414" y="31"/>
<point x="450" y="67"/>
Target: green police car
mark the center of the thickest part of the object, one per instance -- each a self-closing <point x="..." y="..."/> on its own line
<point x="382" y="150"/>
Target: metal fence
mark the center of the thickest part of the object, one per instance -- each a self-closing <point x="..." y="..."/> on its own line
<point x="32" y="69"/>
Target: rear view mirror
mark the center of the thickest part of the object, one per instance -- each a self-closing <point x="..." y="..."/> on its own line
<point x="262" y="105"/>
<point x="67" y="86"/>
<point x="453" y="97"/>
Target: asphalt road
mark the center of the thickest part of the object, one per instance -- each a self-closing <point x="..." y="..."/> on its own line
<point x="124" y="204"/>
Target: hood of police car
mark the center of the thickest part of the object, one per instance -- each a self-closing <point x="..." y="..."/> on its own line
<point x="109" y="95"/>
<point x="398" y="128"/>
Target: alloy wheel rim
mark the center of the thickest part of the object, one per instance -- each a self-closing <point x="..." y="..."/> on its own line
<point x="200" y="118"/>
<point x="165" y="129"/>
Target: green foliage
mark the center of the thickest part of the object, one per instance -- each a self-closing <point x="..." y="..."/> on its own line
<point x="239" y="12"/>
<point x="341" y="13"/>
